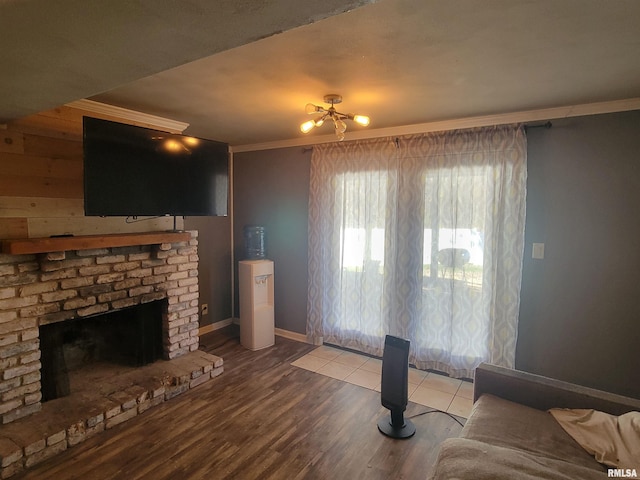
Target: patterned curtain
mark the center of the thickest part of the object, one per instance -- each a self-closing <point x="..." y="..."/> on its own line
<point x="421" y="237"/>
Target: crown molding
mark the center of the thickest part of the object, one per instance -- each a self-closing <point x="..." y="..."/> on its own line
<point x="459" y="123"/>
<point x="153" y="121"/>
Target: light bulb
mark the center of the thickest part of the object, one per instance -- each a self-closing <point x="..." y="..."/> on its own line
<point x="340" y="136"/>
<point x="172" y="145"/>
<point x="311" y="108"/>
<point x="319" y="122"/>
<point x="307" y="126"/>
<point x="340" y="126"/>
<point x="191" y="141"/>
<point x="361" y="120"/>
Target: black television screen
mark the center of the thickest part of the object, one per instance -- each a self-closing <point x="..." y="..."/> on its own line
<point x="136" y="171"/>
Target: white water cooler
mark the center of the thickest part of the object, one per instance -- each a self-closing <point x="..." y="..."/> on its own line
<point x="257" y="328"/>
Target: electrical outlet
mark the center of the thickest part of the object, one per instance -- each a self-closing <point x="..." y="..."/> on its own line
<point x="204" y="309"/>
<point x="538" y="251"/>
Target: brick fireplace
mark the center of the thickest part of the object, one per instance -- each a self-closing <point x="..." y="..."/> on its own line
<point x="44" y="288"/>
<point x="51" y="280"/>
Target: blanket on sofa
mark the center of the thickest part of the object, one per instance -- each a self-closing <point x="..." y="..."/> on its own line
<point x="612" y="440"/>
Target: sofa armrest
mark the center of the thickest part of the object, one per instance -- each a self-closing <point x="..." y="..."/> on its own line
<point x="544" y="393"/>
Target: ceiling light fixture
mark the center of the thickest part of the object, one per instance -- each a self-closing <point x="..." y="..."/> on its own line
<point x="330" y="113"/>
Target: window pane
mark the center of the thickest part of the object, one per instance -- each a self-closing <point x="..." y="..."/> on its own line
<point x="362" y="197"/>
<point x="454" y="225"/>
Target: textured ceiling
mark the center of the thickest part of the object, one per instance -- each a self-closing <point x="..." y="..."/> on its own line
<point x="400" y="61"/>
<point x="54" y="52"/>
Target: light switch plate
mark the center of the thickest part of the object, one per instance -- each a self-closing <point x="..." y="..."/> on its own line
<point x="538" y="251"/>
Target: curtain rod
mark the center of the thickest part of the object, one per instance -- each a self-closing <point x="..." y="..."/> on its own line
<point x="527" y="126"/>
<point x="546" y="125"/>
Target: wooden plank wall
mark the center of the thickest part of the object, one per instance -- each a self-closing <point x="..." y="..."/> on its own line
<point x="41" y="185"/>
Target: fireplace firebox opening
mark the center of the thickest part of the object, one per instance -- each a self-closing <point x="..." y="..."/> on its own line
<point x="131" y="336"/>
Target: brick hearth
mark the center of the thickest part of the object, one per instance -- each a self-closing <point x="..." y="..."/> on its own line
<point x="105" y="396"/>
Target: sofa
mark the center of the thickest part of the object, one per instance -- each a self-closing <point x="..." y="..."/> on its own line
<point x="511" y="435"/>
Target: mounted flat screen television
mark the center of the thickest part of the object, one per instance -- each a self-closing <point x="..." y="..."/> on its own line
<point x="136" y="171"/>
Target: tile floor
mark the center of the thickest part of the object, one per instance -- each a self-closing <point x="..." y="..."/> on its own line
<point x="426" y="388"/>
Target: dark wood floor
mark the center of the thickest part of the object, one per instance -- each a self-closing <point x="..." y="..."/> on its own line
<point x="261" y="419"/>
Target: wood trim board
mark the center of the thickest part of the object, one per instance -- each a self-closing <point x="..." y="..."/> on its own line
<point x="23" y="246"/>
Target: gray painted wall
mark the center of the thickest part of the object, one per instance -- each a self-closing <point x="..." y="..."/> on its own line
<point x="271" y="188"/>
<point x="580" y="306"/>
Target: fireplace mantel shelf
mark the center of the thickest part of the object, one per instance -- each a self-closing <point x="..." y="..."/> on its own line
<point x="88" y="242"/>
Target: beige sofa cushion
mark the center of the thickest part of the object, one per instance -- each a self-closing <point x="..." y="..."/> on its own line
<point x="465" y="459"/>
<point x="502" y="423"/>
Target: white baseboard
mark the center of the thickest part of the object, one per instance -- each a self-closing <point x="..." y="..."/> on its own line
<point x="298" y="337"/>
<point x="215" y="326"/>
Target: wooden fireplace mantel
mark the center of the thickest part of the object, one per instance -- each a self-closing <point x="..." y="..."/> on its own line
<point x="21" y="246"/>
